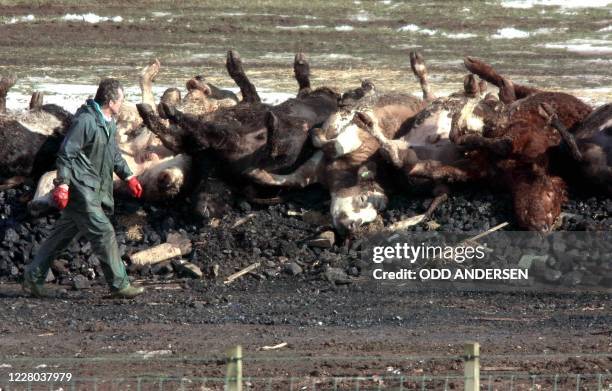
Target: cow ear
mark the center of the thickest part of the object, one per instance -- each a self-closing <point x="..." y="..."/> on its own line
<point x="271" y="121"/>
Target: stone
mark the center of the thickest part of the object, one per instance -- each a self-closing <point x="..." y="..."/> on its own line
<point x="80" y="282"/>
<point x="214" y="270"/>
<point x="293" y="268"/>
<point x="270" y="273"/>
<point x="14" y="271"/>
<point x="325" y="239"/>
<point x="269" y="264"/>
<point x="551" y="275"/>
<point x="353" y="271"/>
<point x="11" y="236"/>
<point x="559" y="246"/>
<point x="572" y="278"/>
<point x="529" y="261"/>
<point x="93" y="260"/>
<point x="336" y="276"/>
<point x="245" y="206"/>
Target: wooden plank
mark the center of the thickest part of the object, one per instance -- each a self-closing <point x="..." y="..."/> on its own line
<point x="241" y="273"/>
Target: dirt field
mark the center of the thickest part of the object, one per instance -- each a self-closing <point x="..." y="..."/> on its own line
<point x="359" y="329"/>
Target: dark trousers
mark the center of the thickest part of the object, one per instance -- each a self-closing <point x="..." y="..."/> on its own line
<point x="97" y="228"/>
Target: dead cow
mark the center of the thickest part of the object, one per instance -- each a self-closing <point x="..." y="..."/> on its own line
<point x="348" y="151"/>
<point x="30" y="140"/>
<point x="249" y="135"/>
<point x="515" y="121"/>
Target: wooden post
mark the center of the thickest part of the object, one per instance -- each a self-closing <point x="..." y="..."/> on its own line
<point x="472" y="366"/>
<point x="233" y="378"/>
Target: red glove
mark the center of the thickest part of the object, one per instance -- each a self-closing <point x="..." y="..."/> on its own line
<point x="60" y="196"/>
<point x="135" y="187"/>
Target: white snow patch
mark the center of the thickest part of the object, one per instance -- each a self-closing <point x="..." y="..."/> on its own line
<point x="91" y="18"/>
<point x="560" y="3"/>
<point x="609" y="28"/>
<point x="583" y="46"/>
<point x="459" y="35"/>
<point x="301" y="27"/>
<point x="275" y="98"/>
<point x="344" y="27"/>
<point x="337" y="56"/>
<point x="362" y="16"/>
<point x="416" y="29"/>
<point x="159" y="14"/>
<point x="510" y="33"/>
<point x="278" y="56"/>
<point x="17" y="19"/>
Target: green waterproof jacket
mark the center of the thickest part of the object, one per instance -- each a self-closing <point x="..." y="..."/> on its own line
<point x="87" y="159"/>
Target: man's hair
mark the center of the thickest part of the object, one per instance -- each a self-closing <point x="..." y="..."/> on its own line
<point x="108" y="90"/>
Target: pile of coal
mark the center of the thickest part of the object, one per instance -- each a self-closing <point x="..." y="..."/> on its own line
<point x="290" y="240"/>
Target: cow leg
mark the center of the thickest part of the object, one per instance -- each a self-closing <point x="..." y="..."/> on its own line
<point x="507" y="91"/>
<point x="397" y="152"/>
<point x="486" y="72"/>
<point x="437" y="171"/>
<point x="301" y="69"/>
<point x="471" y="86"/>
<point x="147" y="76"/>
<point x="550" y="115"/>
<point x="440" y="196"/>
<point x="152" y="121"/>
<point x="36" y="101"/>
<point x="420" y="71"/>
<point x="236" y="72"/>
<point x="307" y="174"/>
<point x="5" y="84"/>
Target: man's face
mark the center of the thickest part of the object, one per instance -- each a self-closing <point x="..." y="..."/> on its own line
<point x="115" y="105"/>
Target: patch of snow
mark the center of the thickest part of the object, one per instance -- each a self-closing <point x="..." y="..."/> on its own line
<point x="91" y="18"/>
<point x="416" y="29"/>
<point x="524" y="4"/>
<point x="344" y="27"/>
<point x="510" y="33"/>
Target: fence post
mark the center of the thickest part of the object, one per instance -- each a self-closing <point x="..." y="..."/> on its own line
<point x="233" y="378"/>
<point x="472" y="366"/>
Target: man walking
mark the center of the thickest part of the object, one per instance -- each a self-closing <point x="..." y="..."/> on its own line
<point x="84" y="192"/>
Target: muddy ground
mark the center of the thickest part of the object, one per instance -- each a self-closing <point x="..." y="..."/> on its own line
<point x="359" y="329"/>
